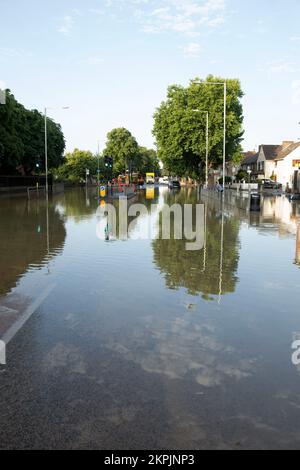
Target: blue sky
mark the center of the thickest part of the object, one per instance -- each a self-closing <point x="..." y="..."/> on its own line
<point x="112" y="60"/>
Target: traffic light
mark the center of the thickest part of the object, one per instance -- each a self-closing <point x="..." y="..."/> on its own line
<point x="108" y="162"/>
<point x="38" y="164"/>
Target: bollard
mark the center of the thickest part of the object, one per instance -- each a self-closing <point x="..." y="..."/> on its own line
<point x="102" y="191"/>
<point x="255" y="202"/>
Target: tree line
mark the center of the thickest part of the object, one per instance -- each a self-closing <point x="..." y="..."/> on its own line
<point x="22" y="139"/>
<point x="122" y="147"/>
<point x="179" y="130"/>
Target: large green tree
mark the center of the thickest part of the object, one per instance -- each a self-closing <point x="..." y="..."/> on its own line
<point x="22" y="139"/>
<point x="180" y="130"/>
<point x="148" y="161"/>
<point x="123" y="148"/>
<point x="75" y="166"/>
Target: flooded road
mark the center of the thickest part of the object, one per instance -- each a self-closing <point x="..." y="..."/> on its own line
<point x="141" y="344"/>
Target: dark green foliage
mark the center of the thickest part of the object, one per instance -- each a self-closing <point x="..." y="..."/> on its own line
<point x="22" y="139"/>
<point x="180" y="131"/>
<point x="123" y="148"/>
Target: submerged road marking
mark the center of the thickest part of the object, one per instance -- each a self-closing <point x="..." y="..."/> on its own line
<point x="16" y="327"/>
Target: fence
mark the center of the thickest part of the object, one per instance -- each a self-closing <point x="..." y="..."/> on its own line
<point x="24" y="181"/>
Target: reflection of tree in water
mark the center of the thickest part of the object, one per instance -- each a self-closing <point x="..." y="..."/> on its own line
<point x="204" y="271"/>
<point x="80" y="203"/>
<point x="24" y="239"/>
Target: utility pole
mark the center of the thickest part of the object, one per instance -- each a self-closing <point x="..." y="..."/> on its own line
<point x="224" y="84"/>
<point x="46" y="144"/>
<point x="98" y="174"/>
<point x="46" y="152"/>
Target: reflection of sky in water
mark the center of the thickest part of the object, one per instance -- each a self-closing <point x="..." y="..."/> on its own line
<point x="141" y="327"/>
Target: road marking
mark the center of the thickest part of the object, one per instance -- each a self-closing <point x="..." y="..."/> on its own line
<point x="16" y="327"/>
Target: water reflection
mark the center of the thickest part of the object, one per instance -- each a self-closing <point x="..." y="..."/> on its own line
<point x="31" y="233"/>
<point x="123" y="355"/>
<point x="297" y="258"/>
<point x="211" y="271"/>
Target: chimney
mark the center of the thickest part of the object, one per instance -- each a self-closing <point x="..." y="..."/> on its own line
<point x="286" y="144"/>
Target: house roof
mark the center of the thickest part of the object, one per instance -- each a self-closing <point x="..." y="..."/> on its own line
<point x="279" y="152"/>
<point x="271" y="151"/>
<point x="249" y="158"/>
<point x="284" y="152"/>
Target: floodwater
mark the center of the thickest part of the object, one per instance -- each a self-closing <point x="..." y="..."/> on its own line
<point x="141" y="344"/>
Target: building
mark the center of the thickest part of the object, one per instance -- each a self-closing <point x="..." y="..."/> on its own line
<point x="266" y="160"/>
<point x="249" y="162"/>
<point x="278" y="162"/>
<point x="287" y="167"/>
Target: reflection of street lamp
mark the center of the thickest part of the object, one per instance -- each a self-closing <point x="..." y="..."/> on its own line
<point x="207" y="137"/>
<point x="221" y="255"/>
<point x="205" y="242"/>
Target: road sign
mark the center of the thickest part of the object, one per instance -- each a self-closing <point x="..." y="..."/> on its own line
<point x="87" y="172"/>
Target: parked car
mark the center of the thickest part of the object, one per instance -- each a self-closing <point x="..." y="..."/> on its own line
<point x="164" y="180"/>
<point x="174" y="184"/>
<point x="150" y="179"/>
<point x="294" y="197"/>
<point x="270" y="184"/>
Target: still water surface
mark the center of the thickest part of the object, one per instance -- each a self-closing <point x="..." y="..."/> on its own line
<point x="142" y="344"/>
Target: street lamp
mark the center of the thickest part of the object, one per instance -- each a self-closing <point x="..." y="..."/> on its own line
<point x="224" y="84"/>
<point x="249" y="171"/>
<point x="98" y="170"/>
<point x="207" y="138"/>
<point x="46" y="143"/>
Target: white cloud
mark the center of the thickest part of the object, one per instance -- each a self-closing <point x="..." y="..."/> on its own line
<point x="295" y="38"/>
<point x="8" y="52"/>
<point x="281" y="66"/>
<point x="179" y="16"/>
<point x="67" y="25"/>
<point x="97" y="11"/>
<point x="192" y="51"/>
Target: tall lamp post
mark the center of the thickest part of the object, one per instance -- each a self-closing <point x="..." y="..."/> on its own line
<point x="46" y="144"/>
<point x="224" y="84"/>
<point x="207" y="143"/>
<point x="98" y="170"/>
<point x="249" y="171"/>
